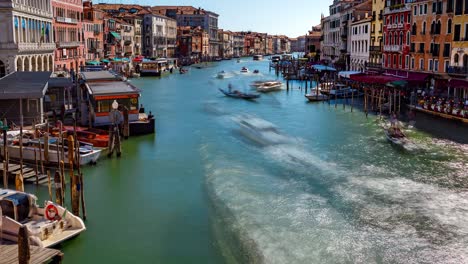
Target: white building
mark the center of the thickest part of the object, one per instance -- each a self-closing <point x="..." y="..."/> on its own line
<point x="360" y="44"/>
<point x="160" y="33"/>
<point x="26" y="38"/>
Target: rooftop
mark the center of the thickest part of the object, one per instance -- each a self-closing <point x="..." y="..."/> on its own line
<point x="99" y="76"/>
<point x="24" y="85"/>
<point x="107" y="88"/>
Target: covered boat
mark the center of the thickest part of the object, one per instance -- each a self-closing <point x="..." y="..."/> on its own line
<point x="47" y="226"/>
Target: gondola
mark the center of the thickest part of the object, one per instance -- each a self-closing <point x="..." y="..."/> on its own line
<point x="240" y="95"/>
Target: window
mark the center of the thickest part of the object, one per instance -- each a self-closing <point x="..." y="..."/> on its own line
<point x="421" y="11"/>
<point x="413" y="29"/>
<point x="455" y="59"/>
<point x="446" y="65"/>
<point x="408" y="39"/>
<point x="457" y="32"/>
<point x="400" y="61"/>
<point x="447" y="50"/>
<point x="402" y="19"/>
<point x="458" y="7"/>
<point x="412" y="63"/>
<point x="424" y="28"/>
<point x="430" y="65"/>
<point x="425" y="9"/>
<point x="415" y="11"/>
<point x="436" y="65"/>
<point x="466" y="7"/>
<point x="466" y="32"/>
<point x="421" y="47"/>
<point x="449" y="6"/>
<point x="449" y="26"/>
<point x="406" y="61"/>
<point x="434" y="7"/>
<point x="421" y="64"/>
<point x="401" y="38"/>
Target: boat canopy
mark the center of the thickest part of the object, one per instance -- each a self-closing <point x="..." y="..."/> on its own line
<point x="347" y="74"/>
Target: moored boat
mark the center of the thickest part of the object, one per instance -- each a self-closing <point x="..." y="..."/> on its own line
<point x="257" y="57"/>
<point x="270" y="86"/>
<point x="47" y="226"/>
<point x="314" y="97"/>
<point x="221" y="75"/>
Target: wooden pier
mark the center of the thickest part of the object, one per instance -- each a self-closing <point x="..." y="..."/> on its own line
<point x="9" y="255"/>
<point x="29" y="173"/>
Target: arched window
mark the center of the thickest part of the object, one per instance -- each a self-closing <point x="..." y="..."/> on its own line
<point x="465" y="61"/>
<point x="401" y="38"/>
<point x="413" y="29"/>
<point x="424" y="28"/>
<point x="433" y="27"/>
<point x="449" y="26"/>
<point x="390" y="38"/>
<point x="438" y="27"/>
<point x="455" y="59"/>
<point x="408" y="38"/>
<point x="395" y="40"/>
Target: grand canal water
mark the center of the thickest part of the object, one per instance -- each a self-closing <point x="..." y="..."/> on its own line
<point x="199" y="192"/>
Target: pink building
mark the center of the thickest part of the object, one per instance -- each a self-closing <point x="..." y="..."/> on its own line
<point x="68" y="29"/>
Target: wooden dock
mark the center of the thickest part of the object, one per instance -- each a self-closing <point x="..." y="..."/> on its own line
<point x="29" y="174"/>
<point x="9" y="255"/>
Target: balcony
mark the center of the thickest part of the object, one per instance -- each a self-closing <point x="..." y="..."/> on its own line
<point x="66" y="20"/>
<point x="457" y="70"/>
<point x="375" y="49"/>
<point x="22" y="47"/>
<point x="392" y="48"/>
<point x="344" y="36"/>
<point x="96" y="33"/>
<point x="374" y="65"/>
<point x="68" y="44"/>
<point x="396" y="9"/>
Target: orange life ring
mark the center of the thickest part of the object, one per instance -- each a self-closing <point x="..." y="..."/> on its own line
<point x="50" y="208"/>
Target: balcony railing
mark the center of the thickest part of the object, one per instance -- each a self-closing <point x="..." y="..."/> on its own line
<point x="68" y="44"/>
<point x="29" y="46"/>
<point x="66" y="20"/>
<point x="392" y="48"/>
<point x="396" y="9"/>
<point x="457" y="70"/>
<point x="375" y="48"/>
<point x="374" y="65"/>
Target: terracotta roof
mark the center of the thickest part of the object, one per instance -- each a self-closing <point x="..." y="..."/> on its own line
<point x="179" y="9"/>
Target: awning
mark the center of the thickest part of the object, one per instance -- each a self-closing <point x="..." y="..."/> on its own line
<point x="374" y="79"/>
<point x="115" y="34"/>
<point x="347" y="74"/>
<point x="323" y="68"/>
<point x="92" y="63"/>
<point x="399" y="83"/>
<point x="105" y="60"/>
<point x="458" y="83"/>
<point x="117" y="59"/>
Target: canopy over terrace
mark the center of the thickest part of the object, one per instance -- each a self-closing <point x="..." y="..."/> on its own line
<point x="374" y="79"/>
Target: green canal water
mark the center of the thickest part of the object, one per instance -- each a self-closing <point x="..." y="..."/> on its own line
<point x="200" y="192"/>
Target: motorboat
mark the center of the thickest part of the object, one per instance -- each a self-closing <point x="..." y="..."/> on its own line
<point x="275" y="58"/>
<point x="239" y="94"/>
<point x="341" y="91"/>
<point x="244" y="70"/>
<point x="270" y="86"/>
<point x="398" y="138"/>
<point x="314" y="97"/>
<point x="34" y="149"/>
<point x="256" y="71"/>
<point x="260" y="131"/>
<point x="183" y="70"/>
<point x="47" y="226"/>
<point x="97" y="137"/>
<point x="257" y="57"/>
<point x="221" y="75"/>
<point x="260" y="83"/>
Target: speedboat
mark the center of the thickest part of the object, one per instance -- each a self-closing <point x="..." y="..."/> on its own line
<point x="398" y="138"/>
<point x="244" y="70"/>
<point x="256" y="71"/>
<point x="260" y="83"/>
<point x="260" y="131"/>
<point x="47" y="226"/>
<point x="314" y="97"/>
<point x="270" y="86"/>
<point x="239" y="94"/>
<point x="221" y="75"/>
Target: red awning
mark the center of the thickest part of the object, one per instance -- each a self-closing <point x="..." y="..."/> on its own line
<point x="138" y="59"/>
<point x="374" y="79"/>
<point x="458" y="83"/>
<point x="417" y="77"/>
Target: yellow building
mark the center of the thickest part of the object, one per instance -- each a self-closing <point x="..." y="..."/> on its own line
<point x="459" y="55"/>
<point x="375" y="59"/>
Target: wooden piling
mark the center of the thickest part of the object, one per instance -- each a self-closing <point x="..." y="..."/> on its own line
<point x="58" y="188"/>
<point x="49" y="185"/>
<point x="19" y="182"/>
<point x="24" y="255"/>
<point x="126" y="124"/>
<point x="83" y="204"/>
<point x="5" y="157"/>
<point x="73" y="190"/>
<point x="36" y="167"/>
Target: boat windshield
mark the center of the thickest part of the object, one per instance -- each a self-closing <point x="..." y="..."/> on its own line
<point x="18" y="200"/>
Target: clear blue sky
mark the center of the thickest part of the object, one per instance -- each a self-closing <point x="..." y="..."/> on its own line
<point x="288" y="17"/>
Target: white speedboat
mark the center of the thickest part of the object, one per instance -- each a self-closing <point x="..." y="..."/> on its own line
<point x="221" y="75"/>
<point x="244" y="70"/>
<point x="47" y="226"/>
<point x="270" y="86"/>
<point x="314" y="97"/>
<point x="260" y="131"/>
<point x="34" y="149"/>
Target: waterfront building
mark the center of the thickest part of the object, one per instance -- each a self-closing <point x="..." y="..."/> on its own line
<point x="396" y="36"/>
<point x="194" y="17"/>
<point x="269" y="45"/>
<point x="276" y="44"/>
<point x="112" y="38"/>
<point x="93" y="23"/>
<point x="249" y="44"/>
<point x="68" y="28"/>
<point x="376" y="43"/>
<point x="360" y="40"/>
<point x="160" y="36"/>
<point x="192" y="43"/>
<point x="127" y="32"/>
<point x="431" y="38"/>
<point x="313" y="42"/>
<point x="27" y="38"/>
<point x="238" y="46"/>
<point x="459" y="55"/>
<point x="226" y="44"/>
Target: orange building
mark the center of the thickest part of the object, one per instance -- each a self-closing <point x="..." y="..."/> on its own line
<point x="431" y="36"/>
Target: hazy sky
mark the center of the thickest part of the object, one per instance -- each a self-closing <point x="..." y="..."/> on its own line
<point x="288" y="17"/>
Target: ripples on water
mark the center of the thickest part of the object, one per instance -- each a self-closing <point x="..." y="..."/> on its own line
<point x="361" y="203"/>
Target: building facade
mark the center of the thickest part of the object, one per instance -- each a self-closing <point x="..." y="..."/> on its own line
<point x="313" y="42"/>
<point x="397" y="34"/>
<point x="375" y="56"/>
<point x="94" y="32"/>
<point x="360" y="44"/>
<point x="459" y="54"/>
<point x="160" y="36"/>
<point x="27" y="38"/>
<point x="238" y="44"/>
<point x="68" y="28"/>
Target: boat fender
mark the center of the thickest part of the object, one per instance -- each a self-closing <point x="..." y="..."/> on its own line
<point x="51" y="212"/>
